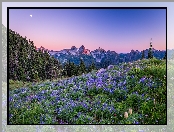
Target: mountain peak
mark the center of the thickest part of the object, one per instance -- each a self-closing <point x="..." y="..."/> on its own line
<point x="82" y="46"/>
<point x="81" y="49"/>
<point x="73" y="48"/>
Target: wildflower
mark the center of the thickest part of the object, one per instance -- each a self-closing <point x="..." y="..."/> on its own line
<point x="142" y="79"/>
<point x="136" y="122"/>
<point x="101" y="70"/>
<point x="130" y="111"/>
<point x="125" y="115"/>
<point x="110" y="67"/>
<point x="147" y="98"/>
<point x="124" y="82"/>
<point x="154" y="101"/>
<point x="146" y="115"/>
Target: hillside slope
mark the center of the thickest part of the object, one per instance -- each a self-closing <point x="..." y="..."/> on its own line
<point x="99" y="97"/>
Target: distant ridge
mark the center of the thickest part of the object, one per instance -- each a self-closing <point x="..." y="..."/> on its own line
<point x="100" y="57"/>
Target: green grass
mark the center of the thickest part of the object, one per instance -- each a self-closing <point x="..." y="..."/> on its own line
<point x="15" y="84"/>
<point x="75" y="101"/>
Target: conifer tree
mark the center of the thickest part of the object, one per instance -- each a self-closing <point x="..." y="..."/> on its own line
<point x="26" y="63"/>
<point x="82" y="67"/>
<point x="150" y="54"/>
<point x="64" y="70"/>
<point x="142" y="57"/>
<point x="91" y="67"/>
<point x="74" y="69"/>
<point x="69" y="69"/>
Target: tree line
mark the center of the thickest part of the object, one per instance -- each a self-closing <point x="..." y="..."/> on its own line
<point x="27" y="63"/>
<point x="150" y="53"/>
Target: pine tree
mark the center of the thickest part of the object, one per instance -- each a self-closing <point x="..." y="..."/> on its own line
<point x="28" y="64"/>
<point x="93" y="66"/>
<point x="90" y="68"/>
<point x="150" y="54"/>
<point x="142" y="57"/>
<point x="64" y="73"/>
<point x="74" y="69"/>
<point x="69" y="69"/>
<point x="82" y="68"/>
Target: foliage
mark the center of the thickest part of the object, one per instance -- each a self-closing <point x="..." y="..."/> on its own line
<point x="142" y="55"/>
<point x="26" y="63"/>
<point x="82" y="67"/>
<point x="85" y="128"/>
<point x="70" y="69"/>
<point x="150" y="53"/>
<point x="99" y="97"/>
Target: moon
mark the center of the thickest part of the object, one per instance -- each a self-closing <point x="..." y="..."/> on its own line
<point x="30" y="15"/>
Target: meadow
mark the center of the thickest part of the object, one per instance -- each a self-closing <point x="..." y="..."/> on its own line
<point x="128" y="93"/>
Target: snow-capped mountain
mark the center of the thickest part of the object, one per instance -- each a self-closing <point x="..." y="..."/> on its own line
<point x="72" y="51"/>
<point x="100" y="57"/>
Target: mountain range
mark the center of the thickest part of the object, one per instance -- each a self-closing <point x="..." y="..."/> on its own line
<point x="100" y="57"/>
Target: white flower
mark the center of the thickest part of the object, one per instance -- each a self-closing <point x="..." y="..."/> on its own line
<point x="130" y="111"/>
<point x="154" y="101"/>
<point x="125" y="115"/>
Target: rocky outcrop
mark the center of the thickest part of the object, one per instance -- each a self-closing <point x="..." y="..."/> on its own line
<point x="81" y="49"/>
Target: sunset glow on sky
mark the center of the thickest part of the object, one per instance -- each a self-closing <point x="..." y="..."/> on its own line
<point x="119" y="30"/>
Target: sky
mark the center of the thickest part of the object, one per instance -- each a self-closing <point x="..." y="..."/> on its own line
<point x="118" y="30"/>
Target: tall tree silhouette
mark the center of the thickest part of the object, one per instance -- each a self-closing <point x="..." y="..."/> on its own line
<point x="82" y="67"/>
<point x="150" y="53"/>
<point x="142" y="57"/>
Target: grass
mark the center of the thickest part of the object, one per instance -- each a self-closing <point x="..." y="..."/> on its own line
<point x="13" y="84"/>
<point x="95" y="98"/>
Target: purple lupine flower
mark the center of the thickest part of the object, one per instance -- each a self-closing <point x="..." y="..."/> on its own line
<point x="111" y="91"/>
<point x="42" y="91"/>
<point x="110" y="67"/>
<point x="101" y="70"/>
<point x="137" y="122"/>
<point x="79" y="114"/>
<point x="124" y="82"/>
<point x="149" y="85"/>
<point x="10" y="99"/>
<point x="147" y="98"/>
<point x="10" y="115"/>
<point x="142" y="80"/>
<point x="132" y="76"/>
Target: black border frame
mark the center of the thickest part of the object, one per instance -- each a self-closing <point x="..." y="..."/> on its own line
<point x="8" y="8"/>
